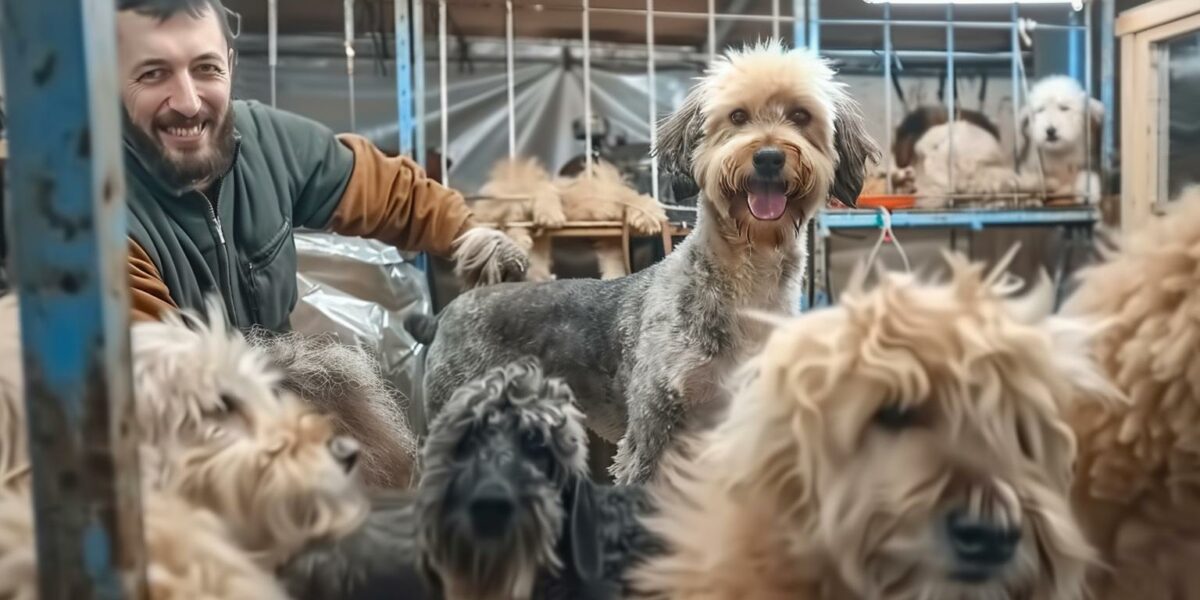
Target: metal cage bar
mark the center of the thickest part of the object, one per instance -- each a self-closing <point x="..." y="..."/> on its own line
<point x="652" y="84"/>
<point x="404" y="76"/>
<point x="509" y="71"/>
<point x="887" y="92"/>
<point x="272" y="42"/>
<point x="348" y="9"/>
<point x="418" y="26"/>
<point x="444" y="93"/>
<point x="951" y="107"/>
<point x="68" y="247"/>
<point x="587" y="86"/>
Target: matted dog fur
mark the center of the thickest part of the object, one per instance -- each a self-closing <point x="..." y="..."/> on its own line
<point x="961" y="158"/>
<point x="346" y="382"/>
<point x="908" y="443"/>
<point x="541" y="204"/>
<point x="769" y="136"/>
<point x="1138" y="489"/>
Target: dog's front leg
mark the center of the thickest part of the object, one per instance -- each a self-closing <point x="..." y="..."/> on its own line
<point x="654" y="422"/>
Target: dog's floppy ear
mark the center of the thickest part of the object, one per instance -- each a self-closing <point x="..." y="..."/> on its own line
<point x="586" y="547"/>
<point x="679" y="134"/>
<point x="1025" y="142"/>
<point x="1096" y="111"/>
<point x="855" y="147"/>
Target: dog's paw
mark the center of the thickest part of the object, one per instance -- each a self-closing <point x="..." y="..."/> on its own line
<point x="485" y="256"/>
<point x="645" y="216"/>
<point x="548" y="212"/>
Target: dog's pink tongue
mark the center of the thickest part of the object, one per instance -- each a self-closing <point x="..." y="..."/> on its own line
<point x="768" y="205"/>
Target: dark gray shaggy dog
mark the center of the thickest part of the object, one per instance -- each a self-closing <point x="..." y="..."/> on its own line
<point x="505" y="510"/>
<point x="769" y="136"/>
<point x="346" y="382"/>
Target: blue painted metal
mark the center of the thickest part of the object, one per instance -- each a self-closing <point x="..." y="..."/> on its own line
<point x="1108" y="86"/>
<point x="69" y="254"/>
<point x="404" y="72"/>
<point x="1001" y="25"/>
<point x="814" y="24"/>
<point x="799" y="24"/>
<point x="963" y="217"/>
<point x="1076" y="49"/>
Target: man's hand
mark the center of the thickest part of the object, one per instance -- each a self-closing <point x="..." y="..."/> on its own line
<point x="485" y="256"/>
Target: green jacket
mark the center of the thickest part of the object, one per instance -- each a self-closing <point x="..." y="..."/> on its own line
<point x="288" y="172"/>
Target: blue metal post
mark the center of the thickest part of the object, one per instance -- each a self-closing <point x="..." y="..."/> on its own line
<point x="814" y="24"/>
<point x="816" y="294"/>
<point x="1015" y="33"/>
<point x="418" y="24"/>
<point x="799" y="24"/>
<point x="1076" y="51"/>
<point x="69" y="257"/>
<point x="404" y="69"/>
<point x="1107" y="87"/>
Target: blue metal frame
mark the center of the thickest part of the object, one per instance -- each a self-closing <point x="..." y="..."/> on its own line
<point x="404" y="74"/>
<point x="975" y="219"/>
<point x="69" y="255"/>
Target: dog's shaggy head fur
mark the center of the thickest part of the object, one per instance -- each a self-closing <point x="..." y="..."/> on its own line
<point x="283" y="483"/>
<point x="497" y="461"/>
<point x="769" y="136"/>
<point x="1058" y="116"/>
<point x="1137" y="489"/>
<point x="920" y="120"/>
<point x="346" y="383"/>
<point x="908" y="443"/>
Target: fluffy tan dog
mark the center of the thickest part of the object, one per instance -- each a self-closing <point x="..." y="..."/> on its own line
<point x="908" y="443"/>
<point x="1138" y="480"/>
<point x="191" y="554"/>
<point x="605" y="195"/>
<point x="522" y="191"/>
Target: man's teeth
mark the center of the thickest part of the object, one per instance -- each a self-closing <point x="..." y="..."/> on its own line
<point x="185" y="132"/>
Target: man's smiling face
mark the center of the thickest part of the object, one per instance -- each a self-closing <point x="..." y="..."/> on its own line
<point x="176" y="90"/>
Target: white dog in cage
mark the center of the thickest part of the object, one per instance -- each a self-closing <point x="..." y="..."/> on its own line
<point x="960" y="158"/>
<point x="1060" y="132"/>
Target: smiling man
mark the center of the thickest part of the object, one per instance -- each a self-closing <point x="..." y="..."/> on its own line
<point x="216" y="185"/>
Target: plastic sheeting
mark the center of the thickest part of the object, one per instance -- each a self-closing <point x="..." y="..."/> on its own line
<point x="361" y="291"/>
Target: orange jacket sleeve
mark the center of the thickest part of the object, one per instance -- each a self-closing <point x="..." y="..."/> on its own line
<point x="148" y="294"/>
<point x="392" y="200"/>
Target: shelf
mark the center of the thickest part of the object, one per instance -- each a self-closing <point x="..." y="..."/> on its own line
<point x="975" y="219"/>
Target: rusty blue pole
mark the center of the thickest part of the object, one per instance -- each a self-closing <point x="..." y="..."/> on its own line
<point x="69" y="265"/>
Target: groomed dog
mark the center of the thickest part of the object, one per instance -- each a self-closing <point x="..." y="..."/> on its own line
<point x="506" y="509"/>
<point x="769" y="136"/>
<point x="1060" y="138"/>
<point x="605" y="195"/>
<point x="908" y="443"/>
<point x="1137" y="489"/>
<point x="961" y="158"/>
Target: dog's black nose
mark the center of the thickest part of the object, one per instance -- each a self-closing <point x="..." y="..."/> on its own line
<point x="345" y="451"/>
<point x="979" y="543"/>
<point x="492" y="505"/>
<point x="1051" y="133"/>
<point x="768" y="161"/>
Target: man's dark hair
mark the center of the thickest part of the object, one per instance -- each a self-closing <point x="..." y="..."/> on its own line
<point x="165" y="9"/>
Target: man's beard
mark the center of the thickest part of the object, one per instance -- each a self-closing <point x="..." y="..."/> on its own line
<point x="192" y="171"/>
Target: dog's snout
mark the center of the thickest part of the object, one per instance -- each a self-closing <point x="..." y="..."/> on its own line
<point x="980" y="543"/>
<point x="345" y="450"/>
<point x="768" y="161"/>
<point x="1051" y="133"/>
<point x="492" y="505"/>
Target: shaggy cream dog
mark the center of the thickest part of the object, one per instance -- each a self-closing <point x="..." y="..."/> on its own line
<point x="605" y="195"/>
<point x="1060" y="135"/>
<point x="908" y="443"/>
<point x="191" y="554"/>
<point x="219" y="434"/>
<point x="961" y="158"/>
<point x="1138" y="489"/>
<point x="521" y="190"/>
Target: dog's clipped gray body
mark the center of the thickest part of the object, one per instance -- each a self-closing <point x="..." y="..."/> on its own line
<point x="769" y="136"/>
<point x="663" y="338"/>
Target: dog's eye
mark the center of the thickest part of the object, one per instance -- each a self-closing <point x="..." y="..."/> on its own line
<point x="800" y="117"/>
<point x="1064" y="107"/>
<point x="895" y="417"/>
<point x="739" y="117"/>
<point x="228" y="402"/>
